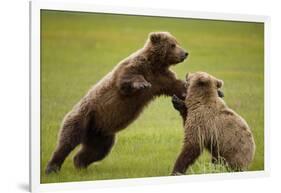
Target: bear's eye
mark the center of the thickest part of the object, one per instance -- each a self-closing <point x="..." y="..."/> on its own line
<point x="173" y="45"/>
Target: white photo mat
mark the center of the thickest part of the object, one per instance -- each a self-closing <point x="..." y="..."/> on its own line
<point x="36" y="6"/>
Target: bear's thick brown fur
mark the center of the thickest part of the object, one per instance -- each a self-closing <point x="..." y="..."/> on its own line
<point x="211" y="124"/>
<point x="118" y="99"/>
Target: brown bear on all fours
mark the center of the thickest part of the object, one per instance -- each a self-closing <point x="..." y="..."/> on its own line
<point x="212" y="125"/>
<point x="117" y="100"/>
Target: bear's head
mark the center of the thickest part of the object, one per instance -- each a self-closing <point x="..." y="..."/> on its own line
<point x="164" y="49"/>
<point x="202" y="84"/>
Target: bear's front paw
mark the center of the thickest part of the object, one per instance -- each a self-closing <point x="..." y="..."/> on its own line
<point x="175" y="99"/>
<point x="141" y="85"/>
<point x="220" y="93"/>
<point x="178" y="103"/>
<point x="183" y="96"/>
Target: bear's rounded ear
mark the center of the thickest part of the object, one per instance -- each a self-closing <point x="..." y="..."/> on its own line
<point x="219" y="83"/>
<point x="155" y="37"/>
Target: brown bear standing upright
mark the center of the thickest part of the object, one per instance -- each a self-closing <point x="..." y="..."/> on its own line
<point x="211" y="124"/>
<point x="117" y="100"/>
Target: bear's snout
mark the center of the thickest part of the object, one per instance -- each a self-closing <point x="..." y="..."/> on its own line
<point x="184" y="55"/>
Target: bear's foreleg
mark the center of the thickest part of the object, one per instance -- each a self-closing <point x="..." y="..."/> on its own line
<point x="173" y="86"/>
<point x="131" y="84"/>
<point x="176" y="87"/>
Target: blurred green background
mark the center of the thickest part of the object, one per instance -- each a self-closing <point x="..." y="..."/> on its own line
<point x="78" y="49"/>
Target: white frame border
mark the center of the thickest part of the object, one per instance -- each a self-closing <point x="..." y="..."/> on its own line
<point x="34" y="145"/>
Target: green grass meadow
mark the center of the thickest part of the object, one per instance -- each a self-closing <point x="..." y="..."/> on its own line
<point x="78" y="49"/>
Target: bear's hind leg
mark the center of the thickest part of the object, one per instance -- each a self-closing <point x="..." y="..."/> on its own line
<point x="69" y="138"/>
<point x="213" y="149"/>
<point x="94" y="148"/>
<point x="188" y="155"/>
